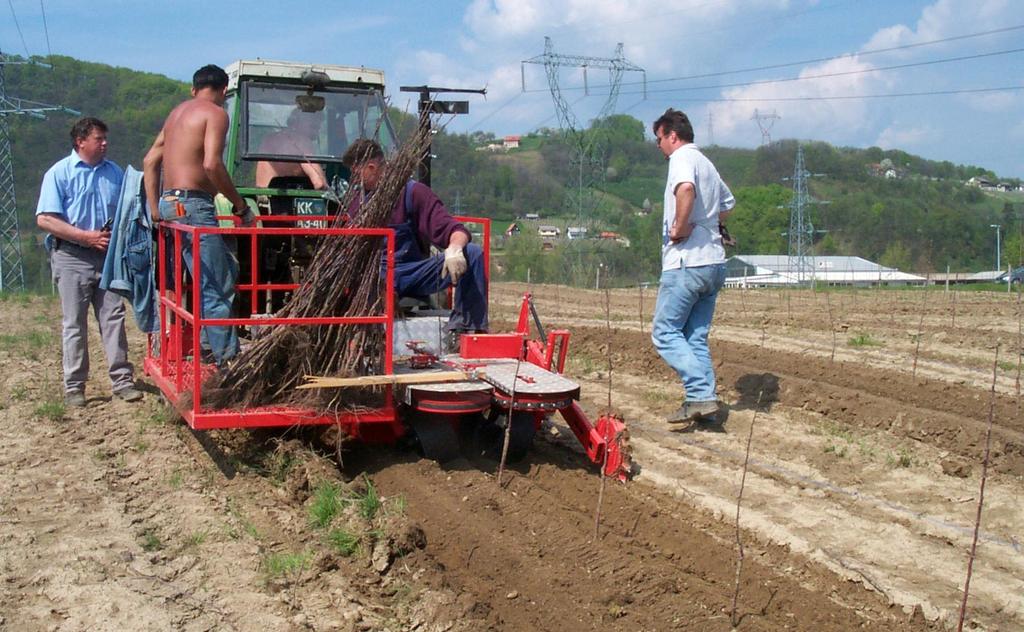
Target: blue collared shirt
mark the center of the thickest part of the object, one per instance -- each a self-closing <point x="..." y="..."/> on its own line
<point x="83" y="196"/>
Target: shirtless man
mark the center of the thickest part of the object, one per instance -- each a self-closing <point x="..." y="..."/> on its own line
<point x="296" y="139"/>
<point x="189" y="150"/>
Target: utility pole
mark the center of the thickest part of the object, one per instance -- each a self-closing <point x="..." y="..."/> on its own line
<point x="765" y="121"/>
<point x="711" y="129"/>
<point x="587" y="161"/>
<point x="998" y="227"/>
<point x="801" y="230"/>
<point x="12" y="270"/>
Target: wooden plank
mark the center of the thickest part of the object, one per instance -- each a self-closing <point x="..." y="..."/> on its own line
<point x="314" y="381"/>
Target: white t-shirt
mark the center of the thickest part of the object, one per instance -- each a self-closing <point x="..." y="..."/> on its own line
<point x="704" y="245"/>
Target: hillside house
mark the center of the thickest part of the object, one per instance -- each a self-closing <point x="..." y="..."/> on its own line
<point x="549" y="232"/>
<point x="576" y="232"/>
<point x="511" y="142"/>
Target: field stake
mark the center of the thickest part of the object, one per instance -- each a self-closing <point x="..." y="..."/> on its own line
<point x="508" y="424"/>
<point x="739" y="502"/>
<point x="981" y="492"/>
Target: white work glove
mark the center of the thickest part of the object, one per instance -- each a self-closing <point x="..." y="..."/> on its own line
<point x="454" y="263"/>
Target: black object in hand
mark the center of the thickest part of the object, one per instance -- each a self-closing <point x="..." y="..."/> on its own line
<point x="108" y="225"/>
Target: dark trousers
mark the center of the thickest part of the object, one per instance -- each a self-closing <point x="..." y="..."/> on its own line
<point x="421" y="278"/>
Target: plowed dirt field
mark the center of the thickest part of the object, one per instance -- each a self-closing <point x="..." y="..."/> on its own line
<point x="858" y="508"/>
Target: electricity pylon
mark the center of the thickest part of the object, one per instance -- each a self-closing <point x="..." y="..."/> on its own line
<point x="765" y="121"/>
<point x="12" y="271"/>
<point x="801" y="230"/>
<point x="587" y="148"/>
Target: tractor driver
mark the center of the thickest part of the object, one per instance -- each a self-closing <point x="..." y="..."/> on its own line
<point x="295" y="139"/>
<point x="420" y="220"/>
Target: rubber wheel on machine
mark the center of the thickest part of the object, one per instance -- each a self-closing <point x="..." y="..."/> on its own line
<point x="490" y="435"/>
<point x="435" y="435"/>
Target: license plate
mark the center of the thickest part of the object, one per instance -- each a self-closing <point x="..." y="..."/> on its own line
<point x="310" y="206"/>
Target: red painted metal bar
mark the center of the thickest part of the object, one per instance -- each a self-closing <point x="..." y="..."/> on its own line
<point x="592" y="442"/>
<point x="197" y="328"/>
<point x="171" y="371"/>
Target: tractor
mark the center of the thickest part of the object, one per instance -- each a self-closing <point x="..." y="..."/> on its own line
<point x="485" y="386"/>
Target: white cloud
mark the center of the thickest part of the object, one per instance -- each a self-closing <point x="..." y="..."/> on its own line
<point x="897" y="136"/>
<point x="833" y="119"/>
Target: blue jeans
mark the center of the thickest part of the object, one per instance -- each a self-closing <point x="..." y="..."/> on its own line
<point x="218" y="274"/>
<point x="682" y="319"/>
<point x="421" y="278"/>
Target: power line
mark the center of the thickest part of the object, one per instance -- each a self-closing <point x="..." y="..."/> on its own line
<point x="496" y="110"/>
<point x="873" y="51"/>
<point x="852" y="97"/>
<point x="14" y="15"/>
<point x="49" y="53"/>
<point x="842" y="73"/>
<point x="823" y="59"/>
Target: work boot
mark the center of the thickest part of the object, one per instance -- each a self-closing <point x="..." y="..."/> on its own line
<point x="694" y="411"/>
<point x="128" y="394"/>
<point x="74" y="399"/>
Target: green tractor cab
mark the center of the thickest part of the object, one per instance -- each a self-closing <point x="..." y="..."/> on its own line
<point x="288" y="120"/>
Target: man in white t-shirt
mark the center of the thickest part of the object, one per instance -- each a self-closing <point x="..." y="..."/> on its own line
<point x="692" y="264"/>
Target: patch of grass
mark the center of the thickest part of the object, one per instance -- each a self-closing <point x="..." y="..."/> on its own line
<point x="19" y="393"/>
<point x="345" y="542"/>
<point x="276" y="565"/>
<point x="278" y="464"/>
<point x="327" y="503"/>
<point x="51" y="410"/>
<point x="195" y="540"/>
<point x="175" y="479"/>
<point x="369" y="502"/>
<point x="150" y="541"/>
<point x="836" y="449"/>
<point x="247" y="525"/>
<point x="1007" y="365"/>
<point x="159" y="415"/>
<point x="900" y="459"/>
<point x="863" y="339"/>
<point x="140" y="445"/>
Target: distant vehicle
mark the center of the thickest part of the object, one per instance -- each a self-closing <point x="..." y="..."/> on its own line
<point x="1016" y="276"/>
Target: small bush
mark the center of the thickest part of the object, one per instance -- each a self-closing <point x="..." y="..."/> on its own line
<point x="369" y="502"/>
<point x="327" y="503"/>
<point x="344" y="542"/>
<point x="277" y="564"/>
<point x="863" y="339"/>
<point x="51" y="410"/>
<point x="150" y="542"/>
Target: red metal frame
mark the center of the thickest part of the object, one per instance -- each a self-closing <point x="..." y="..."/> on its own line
<point x="177" y="373"/>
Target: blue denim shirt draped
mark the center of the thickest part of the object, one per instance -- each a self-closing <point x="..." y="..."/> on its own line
<point x="128" y="267"/>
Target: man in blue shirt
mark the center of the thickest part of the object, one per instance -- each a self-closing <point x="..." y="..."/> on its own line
<point x="76" y="207"/>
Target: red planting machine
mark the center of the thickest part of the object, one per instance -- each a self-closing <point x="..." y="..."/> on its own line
<point x="497" y="380"/>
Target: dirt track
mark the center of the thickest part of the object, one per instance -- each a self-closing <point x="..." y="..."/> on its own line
<point x="119" y="517"/>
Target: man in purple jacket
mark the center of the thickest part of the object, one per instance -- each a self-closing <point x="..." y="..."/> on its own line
<point x="420" y="220"/>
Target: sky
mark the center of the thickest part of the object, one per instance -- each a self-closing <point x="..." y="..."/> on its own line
<point x="827" y="68"/>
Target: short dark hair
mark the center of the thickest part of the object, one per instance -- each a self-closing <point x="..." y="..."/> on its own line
<point x="674" y="121"/>
<point x="84" y="126"/>
<point x="210" y="76"/>
<point x="361" y="152"/>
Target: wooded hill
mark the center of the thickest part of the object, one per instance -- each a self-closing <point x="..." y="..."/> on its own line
<point x="923" y="219"/>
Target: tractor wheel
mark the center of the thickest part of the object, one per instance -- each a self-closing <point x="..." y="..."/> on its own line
<point x="490" y="435"/>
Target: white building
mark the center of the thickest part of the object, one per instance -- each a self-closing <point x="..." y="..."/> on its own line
<point x="772" y="270"/>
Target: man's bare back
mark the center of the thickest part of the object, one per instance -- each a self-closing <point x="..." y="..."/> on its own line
<point x="189" y="147"/>
<point x="185" y="133"/>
